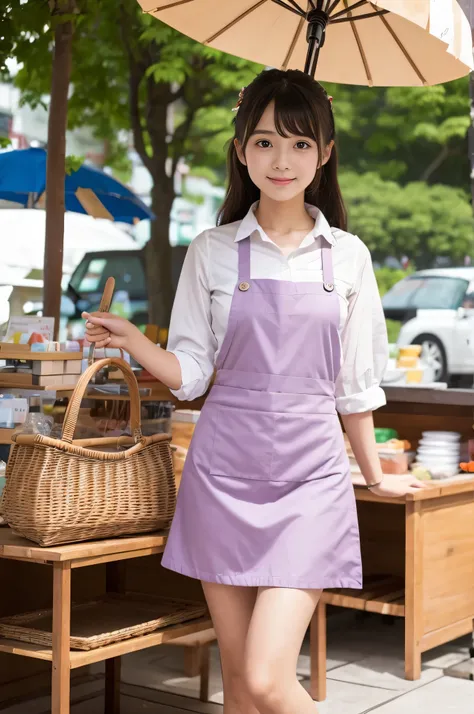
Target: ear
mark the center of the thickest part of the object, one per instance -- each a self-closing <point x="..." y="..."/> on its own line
<point x="240" y="153"/>
<point x="327" y="153"/>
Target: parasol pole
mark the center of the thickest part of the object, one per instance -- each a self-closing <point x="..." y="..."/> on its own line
<point x="315" y="36"/>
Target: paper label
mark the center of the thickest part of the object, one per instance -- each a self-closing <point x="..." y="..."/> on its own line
<point x="442" y="21"/>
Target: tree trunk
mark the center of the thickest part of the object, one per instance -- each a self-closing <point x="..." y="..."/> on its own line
<point x="158" y="254"/>
<point x="55" y="170"/>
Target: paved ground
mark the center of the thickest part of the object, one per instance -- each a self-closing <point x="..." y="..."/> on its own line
<point x="365" y="674"/>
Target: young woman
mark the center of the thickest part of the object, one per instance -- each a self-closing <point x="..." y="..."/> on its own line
<point x="283" y="303"/>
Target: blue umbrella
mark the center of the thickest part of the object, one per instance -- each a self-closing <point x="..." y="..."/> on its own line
<point x="87" y="190"/>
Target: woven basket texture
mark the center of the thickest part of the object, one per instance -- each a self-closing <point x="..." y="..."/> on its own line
<point x="60" y="492"/>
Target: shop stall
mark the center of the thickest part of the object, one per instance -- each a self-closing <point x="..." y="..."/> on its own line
<point x="417" y="551"/>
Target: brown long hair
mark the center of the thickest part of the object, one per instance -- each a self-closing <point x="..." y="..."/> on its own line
<point x="302" y="108"/>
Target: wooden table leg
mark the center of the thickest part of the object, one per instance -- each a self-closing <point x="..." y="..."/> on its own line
<point x="413" y="590"/>
<point x="114" y="584"/>
<point x="60" y="680"/>
<point x="192" y="661"/>
<point x="318" y="653"/>
<point x="205" y="654"/>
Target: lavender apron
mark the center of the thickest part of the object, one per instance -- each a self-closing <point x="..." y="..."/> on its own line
<point x="266" y="497"/>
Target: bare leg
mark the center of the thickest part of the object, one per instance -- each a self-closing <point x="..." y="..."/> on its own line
<point x="231" y="608"/>
<point x="279" y="622"/>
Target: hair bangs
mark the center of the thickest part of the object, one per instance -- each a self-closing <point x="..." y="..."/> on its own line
<point x="294" y="116"/>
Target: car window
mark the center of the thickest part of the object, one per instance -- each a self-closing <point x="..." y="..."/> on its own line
<point x="127" y="270"/>
<point x="402" y="293"/>
<point x="93" y="269"/>
<point x="429" y="293"/>
<point x="439" y="293"/>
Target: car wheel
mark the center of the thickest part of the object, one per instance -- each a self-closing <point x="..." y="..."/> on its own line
<point x="435" y="355"/>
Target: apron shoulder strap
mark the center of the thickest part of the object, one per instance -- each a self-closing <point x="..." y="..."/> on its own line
<point x="244" y="260"/>
<point x="328" y="271"/>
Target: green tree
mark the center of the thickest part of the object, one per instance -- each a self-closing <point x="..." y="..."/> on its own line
<point x="417" y="220"/>
<point x="134" y="75"/>
<point x="405" y="133"/>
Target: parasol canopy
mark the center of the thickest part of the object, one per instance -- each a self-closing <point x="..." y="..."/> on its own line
<point x="368" y="42"/>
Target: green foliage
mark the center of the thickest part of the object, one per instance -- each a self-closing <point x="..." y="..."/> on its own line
<point x="416" y="220"/>
<point x="117" y="47"/>
<point x="73" y="163"/>
<point x="393" y="330"/>
<point x="405" y="133"/>
<point x="387" y="277"/>
<point x="205" y="172"/>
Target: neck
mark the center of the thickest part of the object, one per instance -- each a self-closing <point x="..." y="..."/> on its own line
<point x="283" y="216"/>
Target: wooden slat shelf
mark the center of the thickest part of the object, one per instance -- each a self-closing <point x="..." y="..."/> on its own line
<point x="384" y="595"/>
<point x="87" y="553"/>
<point x="29" y="356"/>
<point x="134" y="644"/>
<point x="35" y="387"/>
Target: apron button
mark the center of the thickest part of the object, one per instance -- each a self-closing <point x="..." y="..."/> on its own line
<point x="329" y="287"/>
<point x="244" y="287"/>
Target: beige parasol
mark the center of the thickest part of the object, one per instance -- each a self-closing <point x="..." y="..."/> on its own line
<point x="372" y="42"/>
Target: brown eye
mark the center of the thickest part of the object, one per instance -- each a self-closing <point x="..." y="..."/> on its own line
<point x="263" y="141"/>
<point x="303" y="145"/>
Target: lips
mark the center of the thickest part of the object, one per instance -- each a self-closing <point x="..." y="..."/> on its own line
<point x="280" y="182"/>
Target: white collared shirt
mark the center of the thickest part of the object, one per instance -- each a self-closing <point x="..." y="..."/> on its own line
<point x="207" y="283"/>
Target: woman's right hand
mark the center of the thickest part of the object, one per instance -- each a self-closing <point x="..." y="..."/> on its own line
<point x="107" y="330"/>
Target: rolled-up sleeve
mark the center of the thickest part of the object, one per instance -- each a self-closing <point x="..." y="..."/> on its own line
<point x="190" y="337"/>
<point x="364" y="344"/>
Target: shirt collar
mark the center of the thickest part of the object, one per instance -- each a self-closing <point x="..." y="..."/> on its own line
<point x="249" y="224"/>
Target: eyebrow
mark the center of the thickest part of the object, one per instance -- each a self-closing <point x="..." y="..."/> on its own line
<point x="263" y="131"/>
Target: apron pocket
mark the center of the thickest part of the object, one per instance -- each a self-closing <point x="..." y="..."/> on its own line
<point x="308" y="447"/>
<point x="243" y="443"/>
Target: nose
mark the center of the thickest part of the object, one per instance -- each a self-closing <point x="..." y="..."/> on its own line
<point x="281" y="161"/>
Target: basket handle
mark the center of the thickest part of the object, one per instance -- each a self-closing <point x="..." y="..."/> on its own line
<point x="72" y="412"/>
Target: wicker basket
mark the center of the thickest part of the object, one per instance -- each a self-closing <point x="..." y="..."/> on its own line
<point x="112" y="618"/>
<point x="64" y="491"/>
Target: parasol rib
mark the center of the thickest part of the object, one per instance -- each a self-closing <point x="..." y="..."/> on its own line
<point x="359" y="17"/>
<point x="361" y="49"/>
<point x="296" y="6"/>
<point x="348" y="10"/>
<point x="234" y="22"/>
<point x="402" y="47"/>
<point x="294" y="42"/>
<point x="332" y="7"/>
<point x="167" y="7"/>
<point x="299" y="12"/>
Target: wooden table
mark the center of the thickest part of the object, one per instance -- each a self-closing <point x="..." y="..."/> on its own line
<point x="418" y="562"/>
<point x="63" y="559"/>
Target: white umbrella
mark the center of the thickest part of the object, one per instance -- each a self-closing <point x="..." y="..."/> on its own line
<point x="371" y="42"/>
<point x="22" y="240"/>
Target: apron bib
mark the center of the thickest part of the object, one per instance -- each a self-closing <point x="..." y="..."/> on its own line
<point x="266" y="497"/>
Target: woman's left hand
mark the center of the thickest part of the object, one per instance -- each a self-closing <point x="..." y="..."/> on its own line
<point x="394" y="486"/>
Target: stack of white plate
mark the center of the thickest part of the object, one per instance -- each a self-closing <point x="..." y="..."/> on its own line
<point x="440" y="452"/>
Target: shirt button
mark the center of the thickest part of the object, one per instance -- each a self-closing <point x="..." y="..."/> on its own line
<point x="244" y="287"/>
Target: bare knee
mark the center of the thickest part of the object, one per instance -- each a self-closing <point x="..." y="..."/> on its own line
<point x="235" y="685"/>
<point x="263" y="686"/>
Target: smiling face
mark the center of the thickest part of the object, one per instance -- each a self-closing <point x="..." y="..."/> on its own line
<point x="282" y="167"/>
